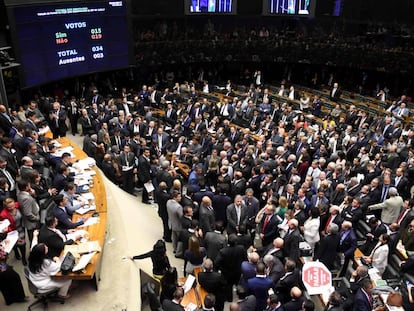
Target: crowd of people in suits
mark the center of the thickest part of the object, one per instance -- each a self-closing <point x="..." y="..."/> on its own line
<point x="262" y="179"/>
<point x="297" y="182"/>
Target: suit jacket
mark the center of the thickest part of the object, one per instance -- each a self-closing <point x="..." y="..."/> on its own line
<point x="214" y="242"/>
<point x="327" y="251"/>
<point x="390" y="209"/>
<point x="29" y="209"/>
<point x="168" y="305"/>
<point x="294" y="304"/>
<point x="53" y="241"/>
<point x="270" y="230"/>
<point x="175" y="213"/>
<point x="60" y="181"/>
<point x="284" y="285"/>
<point x="207" y="219"/>
<point x="361" y="302"/>
<point x="144" y="169"/>
<point x="291" y="245"/>
<point x="229" y="262"/>
<point x="259" y="286"/>
<point x="12" y="165"/>
<point x="349" y="243"/>
<point x="232" y="218"/>
<point x="220" y="203"/>
<point x="64" y="220"/>
<point x="248" y="303"/>
<point x="213" y="282"/>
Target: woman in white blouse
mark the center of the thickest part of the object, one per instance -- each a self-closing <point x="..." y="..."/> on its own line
<point x="311" y="228"/>
<point x="42" y="269"/>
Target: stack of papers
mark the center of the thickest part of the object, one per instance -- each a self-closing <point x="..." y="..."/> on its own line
<point x="9" y="242"/>
<point x="90" y="221"/>
<point x="83" y="262"/>
<point x="68" y="149"/>
<point x="4" y="224"/>
<point x="86" y="208"/>
<point x="83" y="248"/>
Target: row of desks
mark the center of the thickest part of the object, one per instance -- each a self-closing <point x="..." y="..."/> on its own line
<point x="97" y="231"/>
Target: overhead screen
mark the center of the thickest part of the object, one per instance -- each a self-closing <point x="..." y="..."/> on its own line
<point x="300" y="8"/>
<point x="66" y="39"/>
<point x="210" y="7"/>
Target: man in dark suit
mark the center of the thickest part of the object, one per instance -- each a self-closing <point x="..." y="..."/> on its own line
<point x="220" y="202"/>
<point x="335" y="93"/>
<point x="5" y="120"/>
<point x="213" y="282"/>
<point x="54" y="239"/>
<point x="57" y="121"/>
<point x="259" y="286"/>
<point x="296" y="301"/>
<point x="268" y="228"/>
<point x="127" y="166"/>
<point x="144" y="175"/>
<point x="363" y="297"/>
<point x="229" y="262"/>
<point x="214" y="241"/>
<point x="286" y="282"/>
<point x="206" y="215"/>
<point x="170" y="115"/>
<point x="64" y="219"/>
<point x="377" y="229"/>
<point x="62" y="177"/>
<point x="175" y="303"/>
<point x="327" y="250"/>
<point x="291" y="241"/>
<point x="162" y="197"/>
<point x="236" y="215"/>
<point x="347" y="244"/>
<point x="7" y="153"/>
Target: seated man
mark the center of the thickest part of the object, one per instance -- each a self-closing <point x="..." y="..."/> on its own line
<point x="54" y="239"/>
<point x="59" y="211"/>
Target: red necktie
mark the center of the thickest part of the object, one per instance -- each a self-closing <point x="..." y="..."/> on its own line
<point x="328" y="223"/>
<point x="267" y="219"/>
<point x="401" y="217"/>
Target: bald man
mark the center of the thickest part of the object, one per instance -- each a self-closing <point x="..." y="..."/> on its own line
<point x="207" y="217"/>
<point x="296" y="300"/>
<point x="213" y="282"/>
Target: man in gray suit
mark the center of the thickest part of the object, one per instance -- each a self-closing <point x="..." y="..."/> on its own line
<point x="29" y="207"/>
<point x="236" y="215"/>
<point x="206" y="215"/>
<point x="175" y="213"/>
<point x="215" y="241"/>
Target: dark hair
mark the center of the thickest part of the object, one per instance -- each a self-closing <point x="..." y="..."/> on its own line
<point x="159" y="248"/>
<point x="36" y="257"/>
<point x="308" y="305"/>
<point x="314" y="212"/>
<point x="209" y="301"/>
<point x="170" y="277"/>
<point x="62" y="168"/>
<point x="50" y="219"/>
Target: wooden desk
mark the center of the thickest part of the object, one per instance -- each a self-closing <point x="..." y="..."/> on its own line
<point x="195" y="295"/>
<point x="96" y="232"/>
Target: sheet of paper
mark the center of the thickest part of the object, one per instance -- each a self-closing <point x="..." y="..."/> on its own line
<point x="85" y="209"/>
<point x="10" y="241"/>
<point x="75" y="234"/>
<point x="189" y="283"/>
<point x="4" y="224"/>
<point x="90" y="222"/>
<point x="149" y="186"/>
<point x="83" y="262"/>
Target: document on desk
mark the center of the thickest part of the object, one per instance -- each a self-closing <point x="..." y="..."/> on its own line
<point x="90" y="222"/>
<point x="190" y="307"/>
<point x="85" y="209"/>
<point x="189" y="283"/>
<point x="83" y="248"/>
<point x="75" y="234"/>
<point x="83" y="262"/>
<point x="88" y="196"/>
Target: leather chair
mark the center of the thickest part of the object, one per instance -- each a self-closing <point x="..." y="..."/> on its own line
<point x="42" y="298"/>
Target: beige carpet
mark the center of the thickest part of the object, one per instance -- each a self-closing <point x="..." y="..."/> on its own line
<point x="132" y="228"/>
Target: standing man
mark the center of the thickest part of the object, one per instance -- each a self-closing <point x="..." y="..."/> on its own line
<point x="29" y="207"/>
<point x="127" y="164"/>
<point x="144" y="175"/>
<point x="236" y="215"/>
<point x="57" y="121"/>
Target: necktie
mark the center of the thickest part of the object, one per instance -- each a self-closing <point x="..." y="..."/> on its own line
<point x="266" y="221"/>
<point x="328" y="223"/>
<point x="10" y="179"/>
<point x="384" y="193"/>
<point x="400" y="218"/>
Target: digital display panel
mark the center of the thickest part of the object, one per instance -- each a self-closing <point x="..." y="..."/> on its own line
<point x="57" y="41"/>
<point x="289" y="7"/>
<point x="210" y="6"/>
